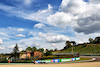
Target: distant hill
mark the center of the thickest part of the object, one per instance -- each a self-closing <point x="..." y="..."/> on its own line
<point x="89" y="49"/>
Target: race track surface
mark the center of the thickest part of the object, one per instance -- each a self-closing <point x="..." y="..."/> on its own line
<point x="97" y="57"/>
<point x="86" y="64"/>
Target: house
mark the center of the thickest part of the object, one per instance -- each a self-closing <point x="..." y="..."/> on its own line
<point x="30" y="54"/>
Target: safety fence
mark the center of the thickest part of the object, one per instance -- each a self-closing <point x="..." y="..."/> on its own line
<point x="57" y="60"/>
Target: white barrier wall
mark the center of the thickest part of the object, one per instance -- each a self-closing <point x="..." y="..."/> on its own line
<point x="58" y="60"/>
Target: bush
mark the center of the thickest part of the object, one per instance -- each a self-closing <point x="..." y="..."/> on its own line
<point x="48" y="53"/>
<point x="85" y="45"/>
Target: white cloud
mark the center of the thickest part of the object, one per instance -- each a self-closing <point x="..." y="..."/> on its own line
<point x="27" y="2"/>
<point x="53" y="39"/>
<point x="20" y="29"/>
<point x="54" y="45"/>
<point x="20" y="49"/>
<point x="49" y="6"/>
<point x="1" y="47"/>
<point x="4" y="34"/>
<point x="39" y="25"/>
<point x="94" y="1"/>
<point x="35" y="44"/>
<point x="82" y="16"/>
<point x="9" y="28"/>
<point x="20" y="35"/>
<point x="73" y="6"/>
<point x="39" y="16"/>
<point x="11" y="47"/>
<point x="81" y="37"/>
<point x="33" y="41"/>
<point x="60" y="19"/>
<point x="1" y="42"/>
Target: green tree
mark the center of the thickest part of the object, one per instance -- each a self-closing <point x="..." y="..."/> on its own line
<point x="55" y="49"/>
<point x="91" y="40"/>
<point x="47" y="50"/>
<point x="65" y="47"/>
<point x="41" y="49"/>
<point x="73" y="42"/>
<point x="34" y="49"/>
<point x="29" y="48"/>
<point x="23" y="51"/>
<point x="15" y="52"/>
<point x="51" y="50"/>
<point x="84" y="45"/>
<point x="68" y="44"/>
<point x="97" y="40"/>
<point x="48" y="53"/>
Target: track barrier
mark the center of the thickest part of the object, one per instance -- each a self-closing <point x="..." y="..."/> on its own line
<point x="57" y="60"/>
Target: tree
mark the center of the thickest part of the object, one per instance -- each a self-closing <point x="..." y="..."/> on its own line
<point x="51" y="50"/>
<point x="97" y="40"/>
<point x="73" y="42"/>
<point x="15" y="52"/>
<point x="65" y="47"/>
<point x="48" y="53"/>
<point x="84" y="45"/>
<point x="41" y="49"/>
<point x="47" y="50"/>
<point x="29" y="48"/>
<point x="34" y="49"/>
<point x="55" y="49"/>
<point x="91" y="40"/>
<point x="23" y="51"/>
<point x="68" y="44"/>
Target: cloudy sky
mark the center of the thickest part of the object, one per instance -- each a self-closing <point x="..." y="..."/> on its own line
<point x="47" y="23"/>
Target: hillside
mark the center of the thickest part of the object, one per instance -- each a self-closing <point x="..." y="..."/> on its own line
<point x="88" y="50"/>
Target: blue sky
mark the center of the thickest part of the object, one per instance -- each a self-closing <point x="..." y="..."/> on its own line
<point x="47" y="23"/>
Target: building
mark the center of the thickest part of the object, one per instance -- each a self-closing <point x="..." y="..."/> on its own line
<point x="30" y="54"/>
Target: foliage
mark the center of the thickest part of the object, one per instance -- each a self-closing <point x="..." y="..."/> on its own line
<point x="73" y="42"/>
<point x="91" y="40"/>
<point x="29" y="48"/>
<point x="55" y="49"/>
<point x="48" y="53"/>
<point x="85" y="45"/>
<point x="41" y="49"/>
<point x="23" y="51"/>
<point x="51" y="50"/>
<point x="88" y="50"/>
<point x="68" y="44"/>
<point x="34" y="49"/>
<point x="95" y="41"/>
<point x="15" y="52"/>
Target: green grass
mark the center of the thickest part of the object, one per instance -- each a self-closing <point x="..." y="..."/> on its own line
<point x="88" y="50"/>
<point x="83" y="58"/>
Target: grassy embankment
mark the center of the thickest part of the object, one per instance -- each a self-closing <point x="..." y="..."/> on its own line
<point x="90" y="49"/>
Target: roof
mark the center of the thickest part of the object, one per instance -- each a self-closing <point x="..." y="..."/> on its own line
<point x="28" y="51"/>
<point x="23" y="52"/>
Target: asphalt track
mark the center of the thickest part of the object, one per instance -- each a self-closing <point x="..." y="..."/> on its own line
<point x="97" y="57"/>
<point x="88" y="64"/>
<point x="96" y="63"/>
